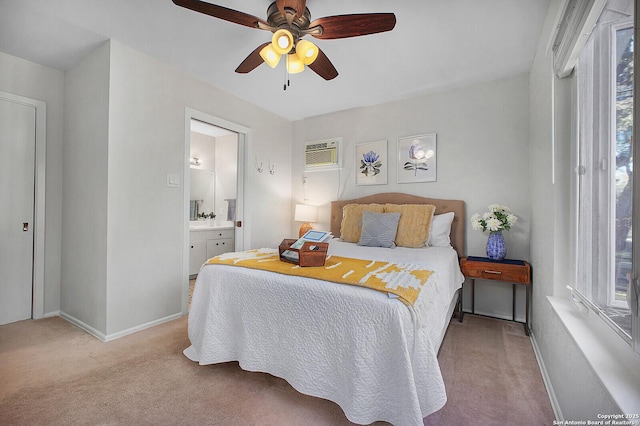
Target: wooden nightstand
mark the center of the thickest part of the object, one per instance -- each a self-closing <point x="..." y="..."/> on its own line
<point x="511" y="271"/>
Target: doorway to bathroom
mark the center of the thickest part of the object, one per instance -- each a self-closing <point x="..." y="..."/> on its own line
<point x="213" y="199"/>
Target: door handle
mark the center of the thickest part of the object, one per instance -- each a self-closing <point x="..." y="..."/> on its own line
<point x="25" y="226"/>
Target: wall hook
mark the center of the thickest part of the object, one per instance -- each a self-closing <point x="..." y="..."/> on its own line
<point x="258" y="167"/>
<point x="272" y="168"/>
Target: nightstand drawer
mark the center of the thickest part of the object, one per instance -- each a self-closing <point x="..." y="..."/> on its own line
<point x="508" y="272"/>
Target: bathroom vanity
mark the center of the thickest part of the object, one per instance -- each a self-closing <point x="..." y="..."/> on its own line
<point x="206" y="242"/>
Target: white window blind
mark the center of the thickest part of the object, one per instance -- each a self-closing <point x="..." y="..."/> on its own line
<point x="572" y="32"/>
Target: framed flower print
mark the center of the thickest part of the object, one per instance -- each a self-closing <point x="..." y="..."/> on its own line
<point x="371" y="163"/>
<point x="417" y="158"/>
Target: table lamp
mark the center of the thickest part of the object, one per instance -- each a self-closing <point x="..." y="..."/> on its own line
<point x="305" y="213"/>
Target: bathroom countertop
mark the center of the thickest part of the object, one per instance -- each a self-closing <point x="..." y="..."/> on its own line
<point x="214" y="227"/>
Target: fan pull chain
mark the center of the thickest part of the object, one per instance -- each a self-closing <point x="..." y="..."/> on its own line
<point x="286" y="74"/>
<point x="287" y="82"/>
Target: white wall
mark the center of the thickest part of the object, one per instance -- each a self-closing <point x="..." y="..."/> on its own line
<point x="34" y="81"/>
<point x="134" y="244"/>
<point x="147" y="105"/>
<point x="482" y="158"/>
<point x="85" y="197"/>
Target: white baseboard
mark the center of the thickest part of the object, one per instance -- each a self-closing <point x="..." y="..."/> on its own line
<point x="51" y="314"/>
<point x="86" y="327"/>
<point x="141" y="327"/>
<point x="108" y="337"/>
<point x="546" y="379"/>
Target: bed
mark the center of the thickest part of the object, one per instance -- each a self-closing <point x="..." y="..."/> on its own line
<point x="370" y="353"/>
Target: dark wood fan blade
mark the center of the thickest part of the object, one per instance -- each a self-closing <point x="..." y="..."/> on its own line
<point x="343" y="26"/>
<point x="297" y="5"/>
<point x="323" y="67"/>
<point x="222" y="13"/>
<point x="252" y="61"/>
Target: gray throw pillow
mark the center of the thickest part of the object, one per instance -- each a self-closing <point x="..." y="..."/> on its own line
<point x="379" y="229"/>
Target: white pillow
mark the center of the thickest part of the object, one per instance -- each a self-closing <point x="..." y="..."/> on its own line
<point x="440" y="230"/>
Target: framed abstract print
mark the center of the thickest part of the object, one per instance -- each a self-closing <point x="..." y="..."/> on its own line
<point x="371" y="163"/>
<point x="417" y="158"/>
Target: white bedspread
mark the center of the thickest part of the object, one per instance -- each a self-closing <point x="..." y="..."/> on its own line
<point x="372" y="355"/>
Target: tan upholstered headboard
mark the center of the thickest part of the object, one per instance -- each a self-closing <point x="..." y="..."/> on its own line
<point x="442" y="206"/>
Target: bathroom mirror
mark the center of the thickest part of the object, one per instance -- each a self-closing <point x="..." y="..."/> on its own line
<point x="213" y="172"/>
<point x="202" y="196"/>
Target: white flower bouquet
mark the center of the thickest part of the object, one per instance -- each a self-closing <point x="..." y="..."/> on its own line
<point x="498" y="218"/>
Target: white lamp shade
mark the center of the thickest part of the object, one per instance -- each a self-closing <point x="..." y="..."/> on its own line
<point x="306" y="213"/>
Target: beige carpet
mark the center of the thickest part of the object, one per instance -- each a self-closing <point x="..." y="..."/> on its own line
<point x="491" y="376"/>
<point x="52" y="373"/>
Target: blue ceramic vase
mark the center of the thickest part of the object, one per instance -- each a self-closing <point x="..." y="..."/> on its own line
<point x="496" y="249"/>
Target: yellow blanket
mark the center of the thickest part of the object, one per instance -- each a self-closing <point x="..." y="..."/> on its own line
<point x="404" y="281"/>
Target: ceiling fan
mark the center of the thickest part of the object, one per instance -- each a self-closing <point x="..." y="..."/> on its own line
<point x="289" y="21"/>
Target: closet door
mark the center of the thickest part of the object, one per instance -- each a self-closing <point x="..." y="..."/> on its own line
<point x="17" y="158"/>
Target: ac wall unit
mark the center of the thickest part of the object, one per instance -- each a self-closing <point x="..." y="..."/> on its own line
<point x="322" y="154"/>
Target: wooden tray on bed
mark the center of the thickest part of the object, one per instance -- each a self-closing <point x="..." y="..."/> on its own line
<point x="306" y="255"/>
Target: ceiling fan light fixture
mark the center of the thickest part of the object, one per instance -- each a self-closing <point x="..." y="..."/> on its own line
<point x="307" y="51"/>
<point x="295" y="65"/>
<point x="282" y="41"/>
<point x="270" y="56"/>
<point x="288" y="21"/>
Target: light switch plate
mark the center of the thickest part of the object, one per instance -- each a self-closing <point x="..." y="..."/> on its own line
<point x="173" y="180"/>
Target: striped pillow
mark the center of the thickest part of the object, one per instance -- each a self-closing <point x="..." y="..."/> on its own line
<point x="379" y="229"/>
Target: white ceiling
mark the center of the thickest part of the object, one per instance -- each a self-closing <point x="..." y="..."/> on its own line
<point x="436" y="44"/>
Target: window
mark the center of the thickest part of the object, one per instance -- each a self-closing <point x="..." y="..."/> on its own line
<point x="605" y="170"/>
<point x="623" y="168"/>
